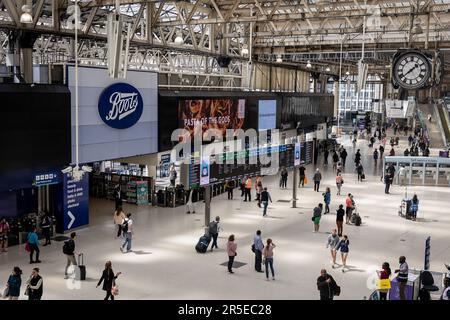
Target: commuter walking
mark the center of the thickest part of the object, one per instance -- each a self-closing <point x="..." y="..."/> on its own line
<point x="69" y="251"/>
<point x="231" y="251"/>
<point x="118" y="196"/>
<point x="349" y="206"/>
<point x="375" y="156"/>
<point x="335" y="160"/>
<point x="33" y="242"/>
<point x="265" y="197"/>
<point x="248" y="189"/>
<point x="284" y="177"/>
<point x="119" y="215"/>
<point x="302" y="170"/>
<point x="340" y="213"/>
<point x="172" y="175"/>
<point x="384" y="274"/>
<point x="327" y="199"/>
<point x="343" y="156"/>
<point x="127" y="229"/>
<point x="317" y="214"/>
<point x="190" y="203"/>
<point x="325" y="156"/>
<point x="402" y="276"/>
<point x="357" y="157"/>
<point x="402" y="176"/>
<point x="332" y="243"/>
<point x="360" y="171"/>
<point x="46" y="225"/>
<point x="4" y="232"/>
<point x="381" y="148"/>
<point x="258" y="247"/>
<point x="343" y="247"/>
<point x="108" y="278"/>
<point x="387" y="182"/>
<point x="213" y="230"/>
<point x="327" y="286"/>
<point x="259" y="189"/>
<point x="317" y="177"/>
<point x="229" y="186"/>
<point x="14" y="283"/>
<point x="268" y="258"/>
<point x="339" y="183"/>
<point x="35" y="285"/>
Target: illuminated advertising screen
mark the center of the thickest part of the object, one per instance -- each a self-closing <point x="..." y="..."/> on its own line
<point x="218" y="114"/>
<point x="267" y="110"/>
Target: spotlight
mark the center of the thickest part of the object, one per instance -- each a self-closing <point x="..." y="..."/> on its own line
<point x="179" y="38"/>
<point x="308" y="65"/>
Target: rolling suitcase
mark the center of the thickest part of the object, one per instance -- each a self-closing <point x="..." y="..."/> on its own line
<point x="203" y="244"/>
<point x="81" y="267"/>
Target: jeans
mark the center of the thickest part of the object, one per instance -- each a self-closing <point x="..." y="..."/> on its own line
<point x="127" y="236"/>
<point x="401" y="289"/>
<point x="386" y="189"/>
<point x="265" y="204"/>
<point x="258" y="260"/>
<point x="338" y="185"/>
<point x="70" y="260"/>
<point x="230" y="263"/>
<point x="327" y="208"/>
<point x="316" y="185"/>
<point x="33" y="248"/>
<point x="230" y="193"/>
<point x="214" y="243"/>
<point x="248" y="193"/>
<point x="269" y="262"/>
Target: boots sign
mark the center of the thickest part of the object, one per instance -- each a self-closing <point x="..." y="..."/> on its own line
<point x="120" y="106"/>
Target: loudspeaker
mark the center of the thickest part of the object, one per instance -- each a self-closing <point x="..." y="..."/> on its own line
<point x="223" y="61"/>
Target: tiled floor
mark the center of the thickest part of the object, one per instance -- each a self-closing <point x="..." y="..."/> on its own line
<point x="164" y="264"/>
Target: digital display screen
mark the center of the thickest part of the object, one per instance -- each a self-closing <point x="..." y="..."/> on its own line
<point x="267" y="110"/>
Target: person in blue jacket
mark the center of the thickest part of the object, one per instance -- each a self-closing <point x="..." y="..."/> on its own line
<point x="14" y="283"/>
<point x="33" y="242"/>
<point x="327" y="200"/>
<point x="414" y="207"/>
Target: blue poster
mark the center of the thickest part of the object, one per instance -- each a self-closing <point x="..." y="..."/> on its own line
<point x="75" y="202"/>
<point x="204" y="170"/>
<point x="297" y="155"/>
<point x="46" y="178"/>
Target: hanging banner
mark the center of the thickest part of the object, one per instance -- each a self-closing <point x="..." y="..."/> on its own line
<point x="297" y="158"/>
<point x="204" y="170"/>
<point x="75" y="202"/>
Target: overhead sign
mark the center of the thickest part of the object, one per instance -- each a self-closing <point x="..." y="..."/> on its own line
<point x="120" y="105"/>
<point x="45" y="179"/>
<point x="297" y="159"/>
<point x="75" y="202"/>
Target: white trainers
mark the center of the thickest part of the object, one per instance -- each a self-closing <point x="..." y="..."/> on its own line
<point x="121" y="249"/>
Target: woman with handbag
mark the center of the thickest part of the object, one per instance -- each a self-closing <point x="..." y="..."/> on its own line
<point x="383" y="276"/>
<point x="231" y="251"/>
<point x="119" y="216"/>
<point x="108" y="278"/>
<point x="13" y="286"/>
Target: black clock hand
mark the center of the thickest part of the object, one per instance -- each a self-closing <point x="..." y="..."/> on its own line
<point x="410" y="70"/>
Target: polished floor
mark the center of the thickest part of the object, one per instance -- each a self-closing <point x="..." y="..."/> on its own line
<point x="164" y="264"/>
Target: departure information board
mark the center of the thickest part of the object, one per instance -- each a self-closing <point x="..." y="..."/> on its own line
<point x="307" y="152"/>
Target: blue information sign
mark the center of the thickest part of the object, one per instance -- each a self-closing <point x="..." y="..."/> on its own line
<point x="47" y="178"/>
<point x="75" y="202"/>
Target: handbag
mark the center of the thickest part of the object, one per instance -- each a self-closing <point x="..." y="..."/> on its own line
<point x="383" y="284"/>
<point x="306" y="180"/>
<point x="27" y="247"/>
<point x="312" y="218"/>
<point x="6" y="293"/>
<point x="253" y="248"/>
<point x="115" y="289"/>
<point x="27" y="291"/>
<point x="337" y="290"/>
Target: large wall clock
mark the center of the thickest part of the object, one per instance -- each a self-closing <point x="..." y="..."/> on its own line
<point x="411" y="70"/>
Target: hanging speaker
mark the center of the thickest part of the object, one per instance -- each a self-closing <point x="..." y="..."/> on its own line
<point x="223" y="61"/>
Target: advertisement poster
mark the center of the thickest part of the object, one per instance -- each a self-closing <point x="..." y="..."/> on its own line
<point x="219" y="114"/>
<point x="297" y="155"/>
<point x="267" y="110"/>
<point x="204" y="171"/>
<point x="75" y="202"/>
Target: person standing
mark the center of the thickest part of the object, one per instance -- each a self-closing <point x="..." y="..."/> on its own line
<point x="118" y="197"/>
<point x="4" y="231"/>
<point x="317" y="214"/>
<point x="343" y="247"/>
<point x="119" y="215"/>
<point x="326" y="285"/>
<point x="268" y="258"/>
<point x="14" y="283"/>
<point x="392" y="152"/>
<point x="385" y="273"/>
<point x="340" y="213"/>
<point x="265" y="197"/>
<point x="381" y="151"/>
<point x="375" y="156"/>
<point x="35" y="285"/>
<point x="335" y="160"/>
<point x="231" y="251"/>
<point x="339" y="183"/>
<point x="360" y="171"/>
<point x="248" y="189"/>
<point x="302" y="170"/>
<point x="332" y="243"/>
<point x="213" y="230"/>
<point x="127" y="229"/>
<point x="327" y="200"/>
<point x="343" y="156"/>
<point x="172" y="175"/>
<point x="258" y="189"/>
<point x="108" y="278"/>
<point x="349" y="206"/>
<point x="190" y="203"/>
<point x="33" y="242"/>
<point x="387" y="182"/>
<point x="46" y="225"/>
<point x="414" y="207"/>
<point x="284" y="177"/>
<point x="402" y="277"/>
<point x="259" y="246"/>
<point x="402" y="176"/>
<point x="69" y="251"/>
<point x="446" y="292"/>
<point x="317" y="177"/>
<point x="229" y="186"/>
<point x="357" y="157"/>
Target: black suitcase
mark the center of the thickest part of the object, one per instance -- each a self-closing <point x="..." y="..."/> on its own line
<point x="203" y="244"/>
<point x="81" y="267"/>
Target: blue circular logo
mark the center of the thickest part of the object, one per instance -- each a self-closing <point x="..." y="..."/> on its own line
<point x="120" y="105"/>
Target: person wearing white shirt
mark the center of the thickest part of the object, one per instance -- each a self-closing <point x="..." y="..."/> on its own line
<point x="127" y="228"/>
<point x="446" y="292"/>
<point x="402" y="176"/>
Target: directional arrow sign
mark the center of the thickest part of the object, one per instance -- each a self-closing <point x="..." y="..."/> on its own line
<point x="72" y="217"/>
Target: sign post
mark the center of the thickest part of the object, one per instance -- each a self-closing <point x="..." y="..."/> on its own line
<point x="207" y="205"/>
<point x="297" y="161"/>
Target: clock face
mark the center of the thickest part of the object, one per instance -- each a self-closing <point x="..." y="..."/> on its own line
<point x="412" y="70"/>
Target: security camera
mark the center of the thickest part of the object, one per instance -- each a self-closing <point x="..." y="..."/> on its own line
<point x="67" y="170"/>
<point x="86" y="169"/>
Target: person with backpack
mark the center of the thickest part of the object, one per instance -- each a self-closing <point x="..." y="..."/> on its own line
<point x="118" y="217"/>
<point x="339" y="183"/>
<point x="69" y="251"/>
<point x="46" y="225"/>
<point x="108" y="278"/>
<point x="213" y="230"/>
<point x="35" y="285"/>
<point x="327" y="286"/>
<point x="268" y="258"/>
<point x="231" y="251"/>
<point x="340" y="220"/>
<point x="302" y="170"/>
<point x="265" y="197"/>
<point x="343" y="247"/>
<point x="258" y="247"/>
<point x="382" y="275"/>
<point x="33" y="242"/>
<point x="14" y="283"/>
<point x="332" y="243"/>
<point x="127" y="229"/>
<point x="327" y="199"/>
<point x="4" y="231"/>
<point x="317" y="214"/>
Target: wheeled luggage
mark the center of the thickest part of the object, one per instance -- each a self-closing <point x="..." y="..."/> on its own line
<point x="203" y="244"/>
<point x="356" y="218"/>
<point x="81" y="267"/>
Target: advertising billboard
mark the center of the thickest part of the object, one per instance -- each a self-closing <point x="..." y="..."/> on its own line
<point x="267" y="111"/>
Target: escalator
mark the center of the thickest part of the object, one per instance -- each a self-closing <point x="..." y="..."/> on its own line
<point x="433" y="127"/>
<point x="445" y="120"/>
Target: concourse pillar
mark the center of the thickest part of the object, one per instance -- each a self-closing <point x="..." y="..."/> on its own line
<point x="294" y="189"/>
<point x="207" y="205"/>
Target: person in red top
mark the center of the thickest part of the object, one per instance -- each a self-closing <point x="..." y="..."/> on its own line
<point x="4" y="230"/>
<point x="384" y="274"/>
<point x="349" y="205"/>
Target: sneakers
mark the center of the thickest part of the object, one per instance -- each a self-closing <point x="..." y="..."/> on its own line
<point x="230" y="271"/>
<point x="121" y="249"/>
<point x="38" y="261"/>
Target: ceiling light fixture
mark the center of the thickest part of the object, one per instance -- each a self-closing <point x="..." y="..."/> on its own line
<point x="279" y="60"/>
<point x="179" y="38"/>
<point x="244" y="50"/>
<point x="327" y="69"/>
<point x="308" y="64"/>
<point x="26" y="16"/>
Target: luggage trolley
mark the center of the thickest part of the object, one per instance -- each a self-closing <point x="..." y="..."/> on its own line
<point x="405" y="206"/>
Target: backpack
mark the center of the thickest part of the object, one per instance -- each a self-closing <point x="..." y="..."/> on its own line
<point x="125" y="225"/>
<point x="212" y="227"/>
<point x="69" y="247"/>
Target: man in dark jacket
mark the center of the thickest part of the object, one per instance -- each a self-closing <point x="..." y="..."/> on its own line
<point x="343" y="156"/>
<point x="317" y="177"/>
<point x="265" y="197"/>
<point x="326" y="286"/>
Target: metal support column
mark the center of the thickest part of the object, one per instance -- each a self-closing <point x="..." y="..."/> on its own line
<point x="423" y="173"/>
<point x="294" y="189"/>
<point x="207" y="205"/>
<point x="410" y="172"/>
<point x="437" y="173"/>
